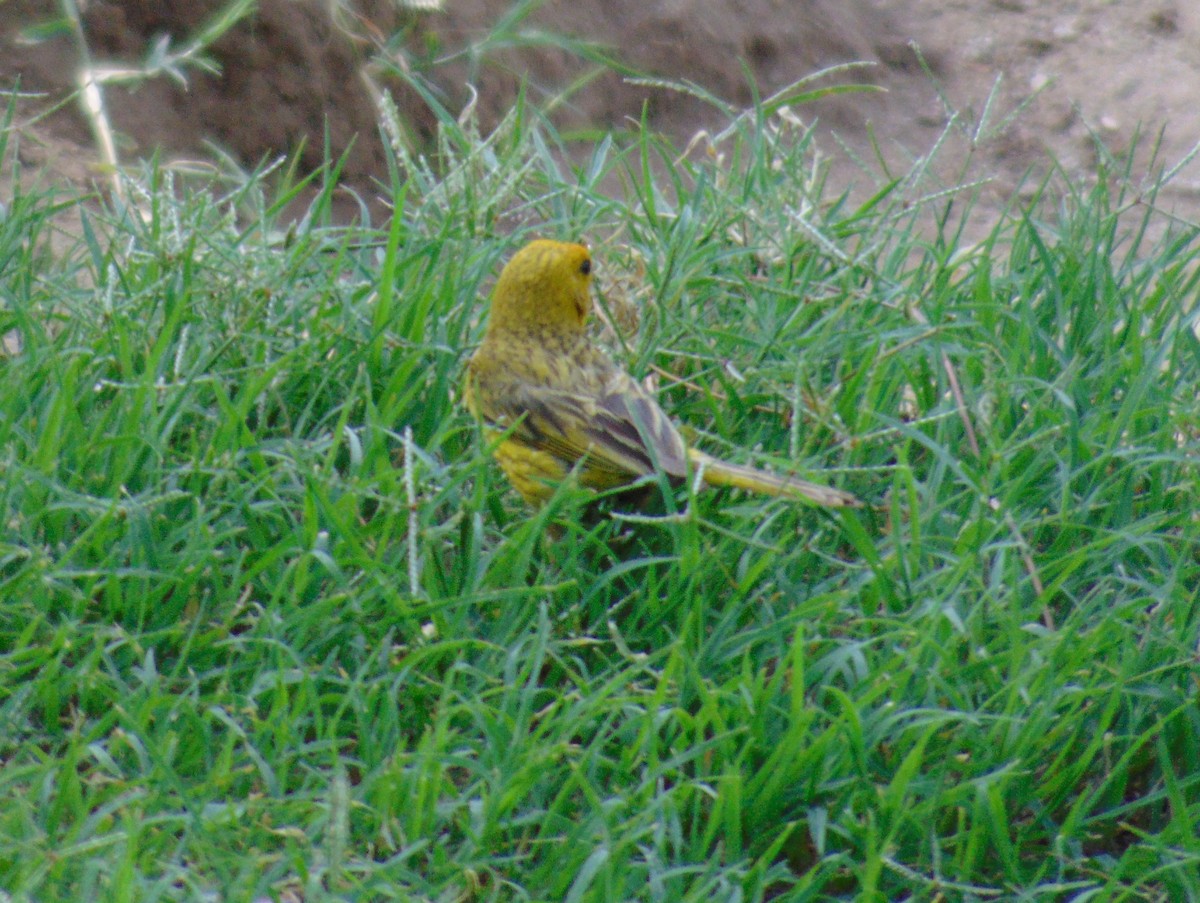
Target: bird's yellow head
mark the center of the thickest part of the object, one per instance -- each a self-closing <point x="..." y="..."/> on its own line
<point x="545" y="289"/>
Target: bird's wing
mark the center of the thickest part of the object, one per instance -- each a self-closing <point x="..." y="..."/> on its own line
<point x="630" y="415"/>
<point x="619" y="429"/>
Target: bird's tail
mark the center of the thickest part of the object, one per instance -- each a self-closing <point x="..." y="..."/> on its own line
<point x="723" y="473"/>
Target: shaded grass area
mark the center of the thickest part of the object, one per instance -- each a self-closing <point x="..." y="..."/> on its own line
<point x="237" y="659"/>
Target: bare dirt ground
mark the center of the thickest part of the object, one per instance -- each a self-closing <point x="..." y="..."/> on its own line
<point x="1121" y="73"/>
<point x="1101" y="70"/>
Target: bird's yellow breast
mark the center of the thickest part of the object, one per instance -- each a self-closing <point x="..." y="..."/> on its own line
<point x="536" y="473"/>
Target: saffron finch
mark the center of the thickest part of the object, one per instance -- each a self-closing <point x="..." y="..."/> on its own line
<point x="556" y="403"/>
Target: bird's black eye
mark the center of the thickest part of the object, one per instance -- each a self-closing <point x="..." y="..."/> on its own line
<point x="586" y="267"/>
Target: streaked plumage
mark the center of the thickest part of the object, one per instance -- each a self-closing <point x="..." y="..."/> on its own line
<point x="567" y="404"/>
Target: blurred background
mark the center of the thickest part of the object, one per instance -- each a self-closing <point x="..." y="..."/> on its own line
<point x="1029" y="85"/>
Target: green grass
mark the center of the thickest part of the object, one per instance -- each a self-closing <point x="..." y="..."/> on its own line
<point x="237" y="660"/>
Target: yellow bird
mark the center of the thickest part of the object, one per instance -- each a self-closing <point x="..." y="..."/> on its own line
<point x="556" y="403"/>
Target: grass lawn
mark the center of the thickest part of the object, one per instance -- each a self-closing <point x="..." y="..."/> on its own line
<point x="272" y="625"/>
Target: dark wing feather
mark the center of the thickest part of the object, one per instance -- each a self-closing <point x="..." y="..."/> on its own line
<point x="621" y="431"/>
<point x="628" y="415"/>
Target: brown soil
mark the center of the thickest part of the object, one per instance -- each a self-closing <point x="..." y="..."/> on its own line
<point x="1105" y="70"/>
